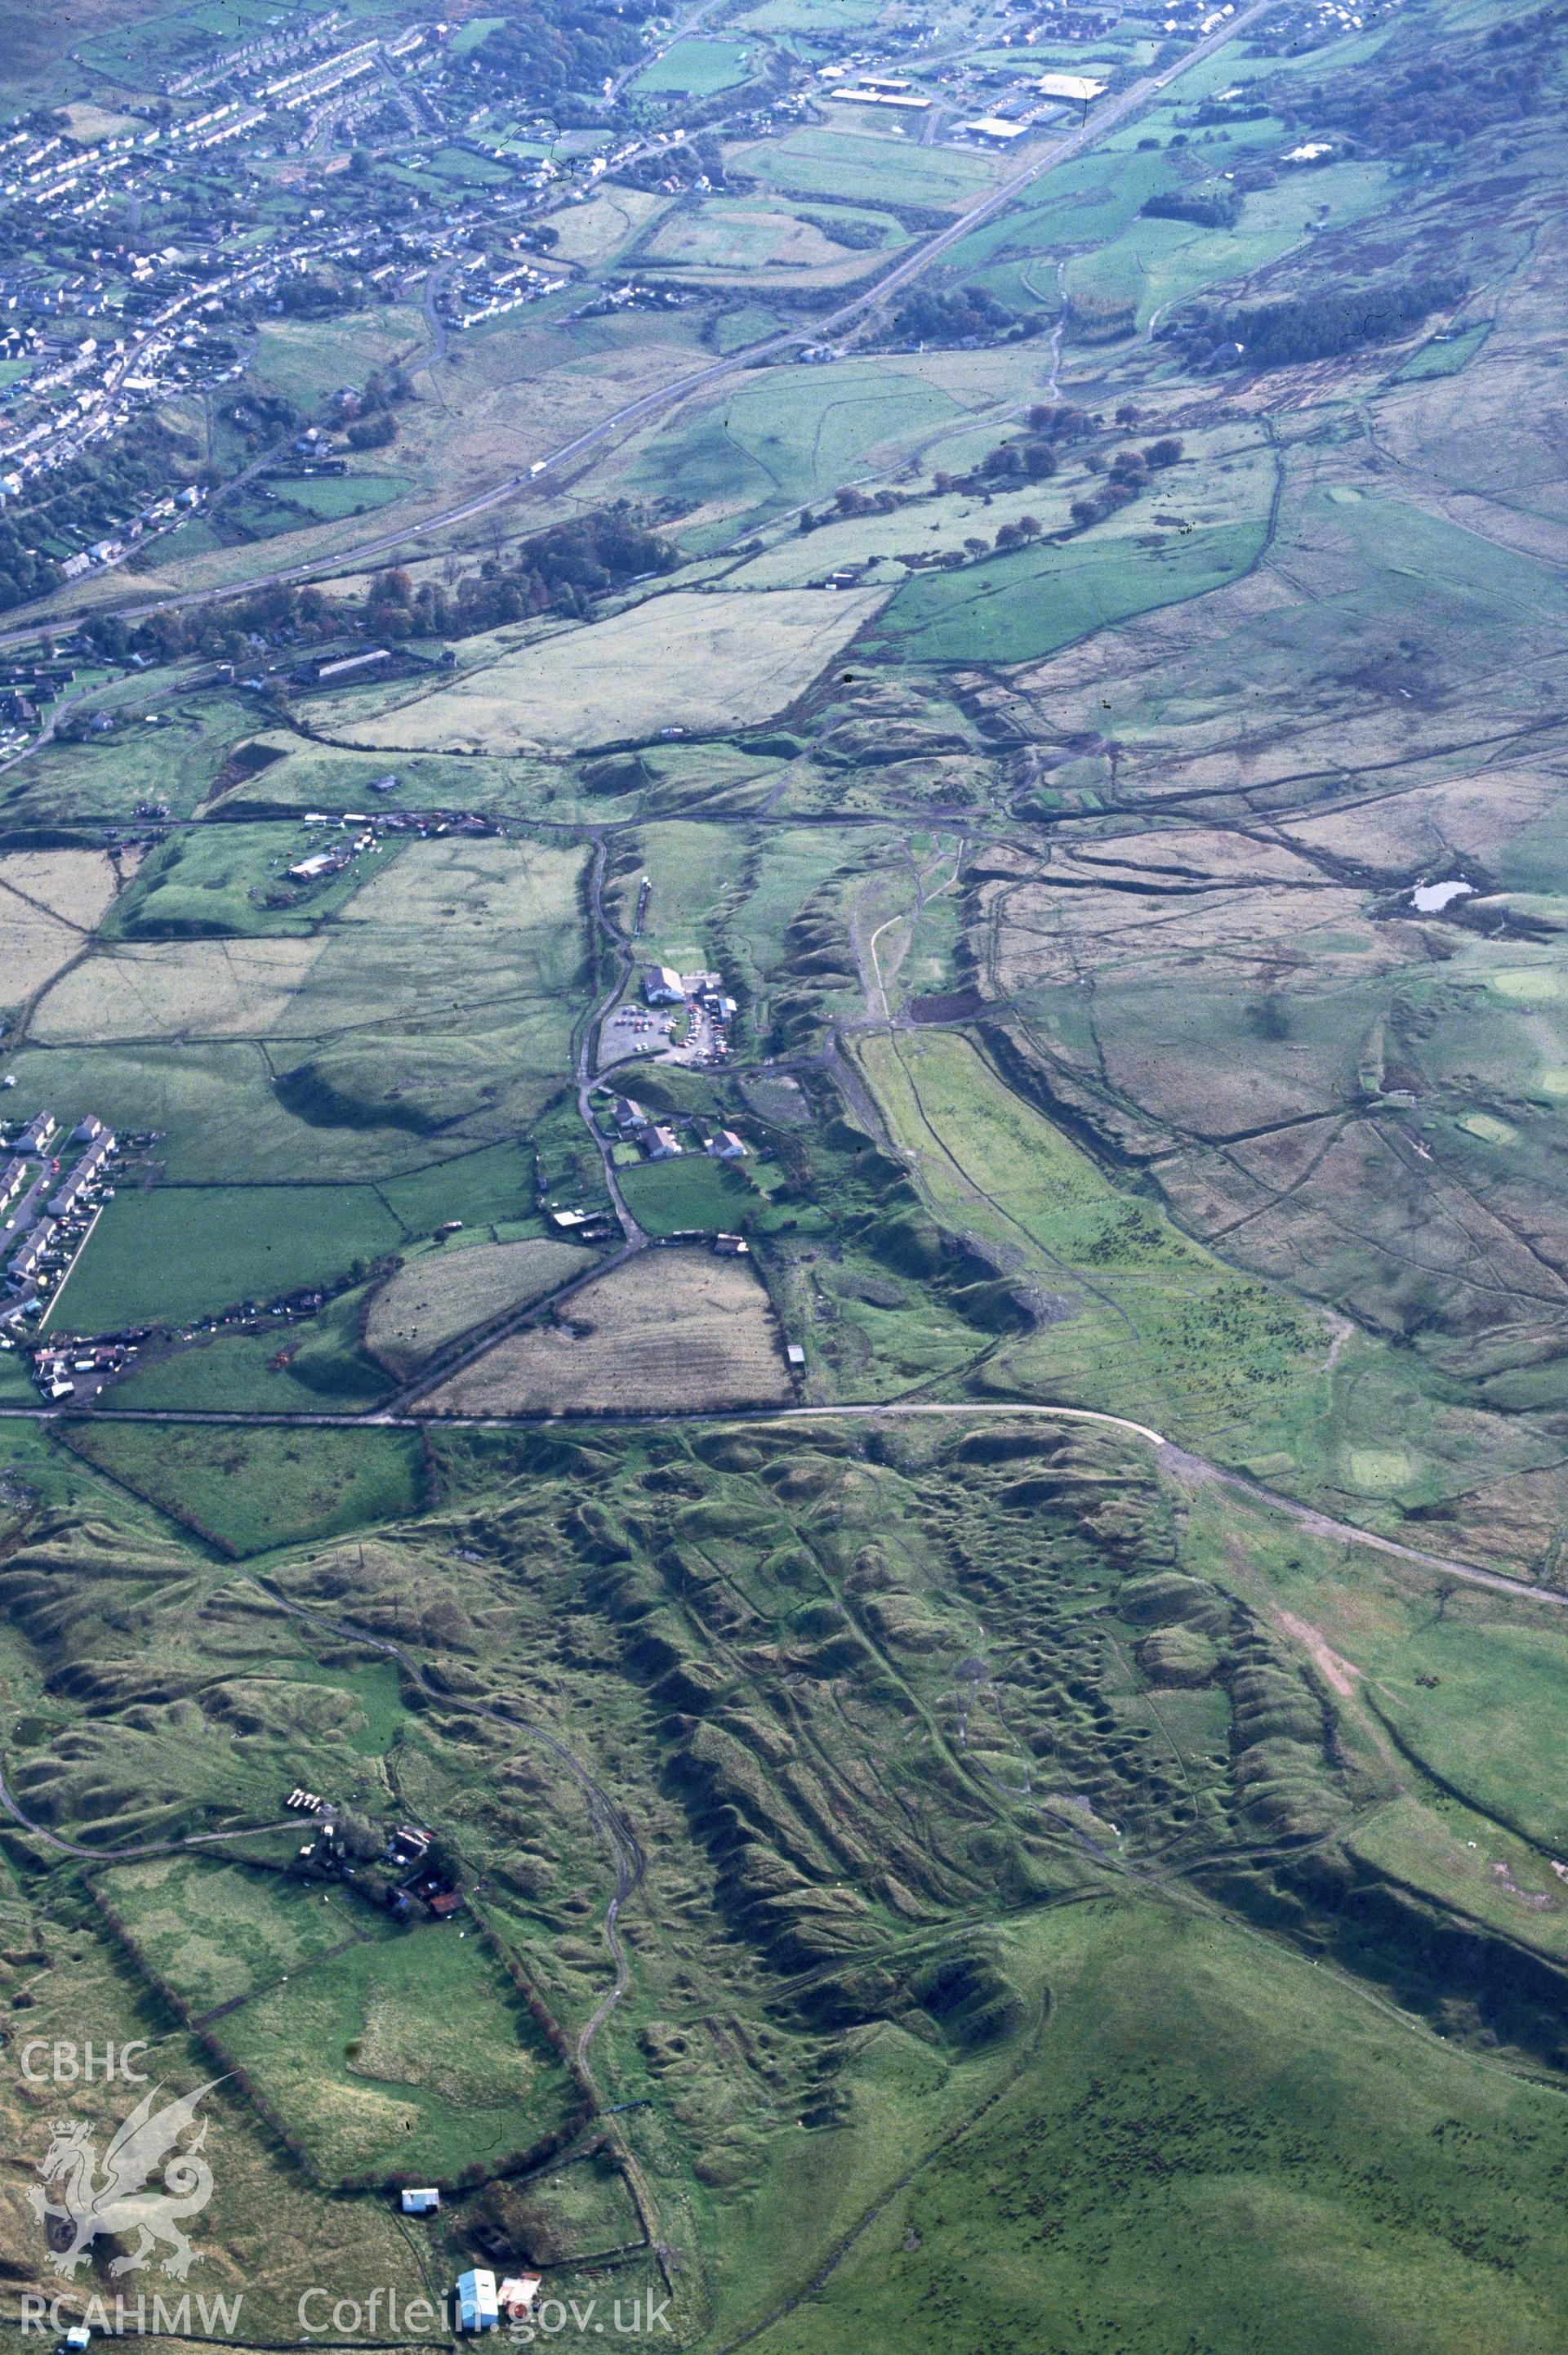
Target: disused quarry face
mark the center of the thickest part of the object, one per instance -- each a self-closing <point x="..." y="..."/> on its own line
<point x="859" y="1703"/>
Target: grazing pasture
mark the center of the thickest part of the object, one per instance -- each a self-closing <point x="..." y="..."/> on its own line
<point x="49" y="902"/>
<point x="172" y="1253"/>
<point x="669" y="1323"/>
<point x="248" y="1490"/>
<point x="197" y="989"/>
<point x="866" y="167"/>
<point x="682" y="660"/>
<point x="431" y="1300"/>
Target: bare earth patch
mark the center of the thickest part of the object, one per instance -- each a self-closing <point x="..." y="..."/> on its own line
<point x="1341" y="1673"/>
<point x="687" y="661"/>
<point x="670" y="1328"/>
<point x="433" y="1300"/>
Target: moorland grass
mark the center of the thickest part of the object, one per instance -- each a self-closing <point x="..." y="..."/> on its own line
<point x="248" y="1490"/>
<point x="1214" y="2138"/>
<point x="1154" y="1327"/>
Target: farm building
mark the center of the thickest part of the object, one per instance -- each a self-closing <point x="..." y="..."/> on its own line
<point x="321" y="862"/>
<point x="425" y="2202"/>
<point x="662" y="985"/>
<point x="517" y="2293"/>
<point x="869" y="97"/>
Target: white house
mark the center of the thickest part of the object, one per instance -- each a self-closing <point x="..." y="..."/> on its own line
<point x="662" y="985"/>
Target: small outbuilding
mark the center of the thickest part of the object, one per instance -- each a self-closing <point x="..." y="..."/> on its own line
<point x="478" y="2306"/>
<point x="425" y="2201"/>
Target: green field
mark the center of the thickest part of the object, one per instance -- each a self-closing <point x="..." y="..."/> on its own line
<point x="246" y="1491"/>
<point x="748" y="325"/>
<point x="864" y="168"/>
<point x="328" y="496"/>
<point x="217" y="1931"/>
<point x="214" y="881"/>
<point x="1444" y="358"/>
<point x="402" y="2056"/>
<point x="668" y="1197"/>
<point x="312" y="1366"/>
<point x="1017" y="607"/>
<point x="792" y="434"/>
<point x="177" y="1252"/>
<point x="696" y="67"/>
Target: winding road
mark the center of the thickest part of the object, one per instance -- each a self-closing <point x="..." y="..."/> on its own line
<point x="1179" y="1461"/>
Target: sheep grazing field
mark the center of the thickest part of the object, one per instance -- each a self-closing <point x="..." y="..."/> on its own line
<point x="669" y="1326"/>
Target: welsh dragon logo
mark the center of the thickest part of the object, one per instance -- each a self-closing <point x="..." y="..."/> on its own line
<point x="119" y="2201"/>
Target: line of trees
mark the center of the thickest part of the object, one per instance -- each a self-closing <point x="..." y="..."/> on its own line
<point x="561" y="570"/>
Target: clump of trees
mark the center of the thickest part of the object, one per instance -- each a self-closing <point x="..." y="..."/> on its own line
<point x="1214" y="209"/>
<point x="951" y="318"/>
<point x="1435" y="100"/>
<point x="695" y="159"/>
<point x="555" y="48"/>
<point x="1126" y="475"/>
<point x="1032" y="459"/>
<point x="1316" y="325"/>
